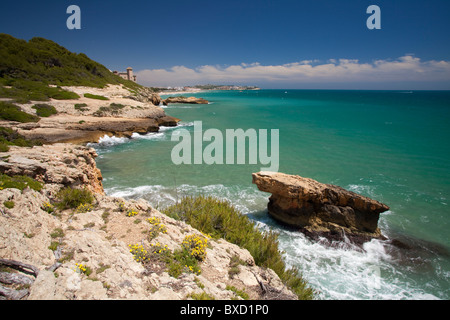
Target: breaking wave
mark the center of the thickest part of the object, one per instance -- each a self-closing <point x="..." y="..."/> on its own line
<point x="342" y="272"/>
<point x="109" y="141"/>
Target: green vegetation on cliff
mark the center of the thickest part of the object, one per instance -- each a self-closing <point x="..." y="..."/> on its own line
<point x="220" y="219"/>
<point x="11" y="112"/>
<point x="10" y="137"/>
<point x="28" y="68"/>
<point x="19" y="182"/>
<point x="70" y="198"/>
<point x="44" y="110"/>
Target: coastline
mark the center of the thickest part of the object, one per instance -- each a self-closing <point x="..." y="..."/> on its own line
<point x="180" y="92"/>
<point x="343" y="258"/>
<point x="58" y="241"/>
<point x="116" y="111"/>
<point x="337" y="281"/>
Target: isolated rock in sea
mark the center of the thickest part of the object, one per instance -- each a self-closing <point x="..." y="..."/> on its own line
<point x="320" y="209"/>
<point x="182" y="99"/>
<point x="168" y="121"/>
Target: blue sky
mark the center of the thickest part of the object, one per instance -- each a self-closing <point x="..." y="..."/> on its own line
<point x="273" y="44"/>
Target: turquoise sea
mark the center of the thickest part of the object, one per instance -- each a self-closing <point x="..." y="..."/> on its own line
<point x="393" y="146"/>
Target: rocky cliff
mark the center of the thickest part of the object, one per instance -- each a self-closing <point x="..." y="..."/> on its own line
<point x="113" y="110"/>
<point x="320" y="209"/>
<point x="109" y="249"/>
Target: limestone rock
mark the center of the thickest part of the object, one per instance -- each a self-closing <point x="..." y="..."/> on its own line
<point x="85" y="120"/>
<point x="146" y="95"/>
<point x="100" y="239"/>
<point x="182" y="99"/>
<point x="45" y="287"/>
<point x="168" y="121"/>
<point x="122" y="127"/>
<point x="320" y="209"/>
<point x="61" y="164"/>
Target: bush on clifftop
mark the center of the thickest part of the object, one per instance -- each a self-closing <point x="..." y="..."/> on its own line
<point x="221" y="220"/>
<point x="44" y="110"/>
<point x="11" y="112"/>
<point x="10" y="137"/>
<point x="70" y="198"/>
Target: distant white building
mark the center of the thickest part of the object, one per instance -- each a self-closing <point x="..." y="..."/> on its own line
<point x="126" y="75"/>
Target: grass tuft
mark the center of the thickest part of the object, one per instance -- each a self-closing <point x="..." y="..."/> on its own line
<point x="70" y="198"/>
<point x="94" y="96"/>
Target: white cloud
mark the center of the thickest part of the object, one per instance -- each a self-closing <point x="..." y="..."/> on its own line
<point x="404" y="69"/>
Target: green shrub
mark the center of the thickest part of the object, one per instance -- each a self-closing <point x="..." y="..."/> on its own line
<point x="54" y="245"/>
<point x="57" y="233"/>
<point x="70" y="198"/>
<point x="4" y="147"/>
<point x="116" y="106"/>
<point x="81" y="268"/>
<point x="235" y="261"/>
<point x="65" y="95"/>
<point x="81" y="107"/>
<point x="182" y="259"/>
<point x="221" y="220"/>
<point x="94" y="96"/>
<point x="48" y="207"/>
<point x="24" y="90"/>
<point x="175" y="269"/>
<point x="10" y="137"/>
<point x="44" y="110"/>
<point x="19" y="182"/>
<point x="9" y="204"/>
<point x="11" y="112"/>
<point x="240" y="293"/>
<point x="201" y="296"/>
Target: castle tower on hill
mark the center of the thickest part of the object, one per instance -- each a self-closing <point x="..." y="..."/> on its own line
<point x="126" y="75"/>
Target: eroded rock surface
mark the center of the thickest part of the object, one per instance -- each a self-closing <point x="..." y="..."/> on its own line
<point x="54" y="242"/>
<point x="320" y="209"/>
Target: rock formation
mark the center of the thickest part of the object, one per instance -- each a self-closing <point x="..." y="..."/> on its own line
<point x="51" y="244"/>
<point x="320" y="209"/>
<point x="85" y="120"/>
<point x="59" y="165"/>
<point x="146" y="95"/>
<point x="182" y="99"/>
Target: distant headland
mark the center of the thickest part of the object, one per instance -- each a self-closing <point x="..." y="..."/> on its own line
<point x="205" y="87"/>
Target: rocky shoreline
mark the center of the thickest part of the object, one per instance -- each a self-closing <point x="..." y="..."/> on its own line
<point x="89" y="252"/>
<point x="101" y="238"/>
<point x="114" y="111"/>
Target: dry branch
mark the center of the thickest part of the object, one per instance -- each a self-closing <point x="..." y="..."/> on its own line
<point x="15" y="278"/>
<point x="26" y="268"/>
<point x="13" y="294"/>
